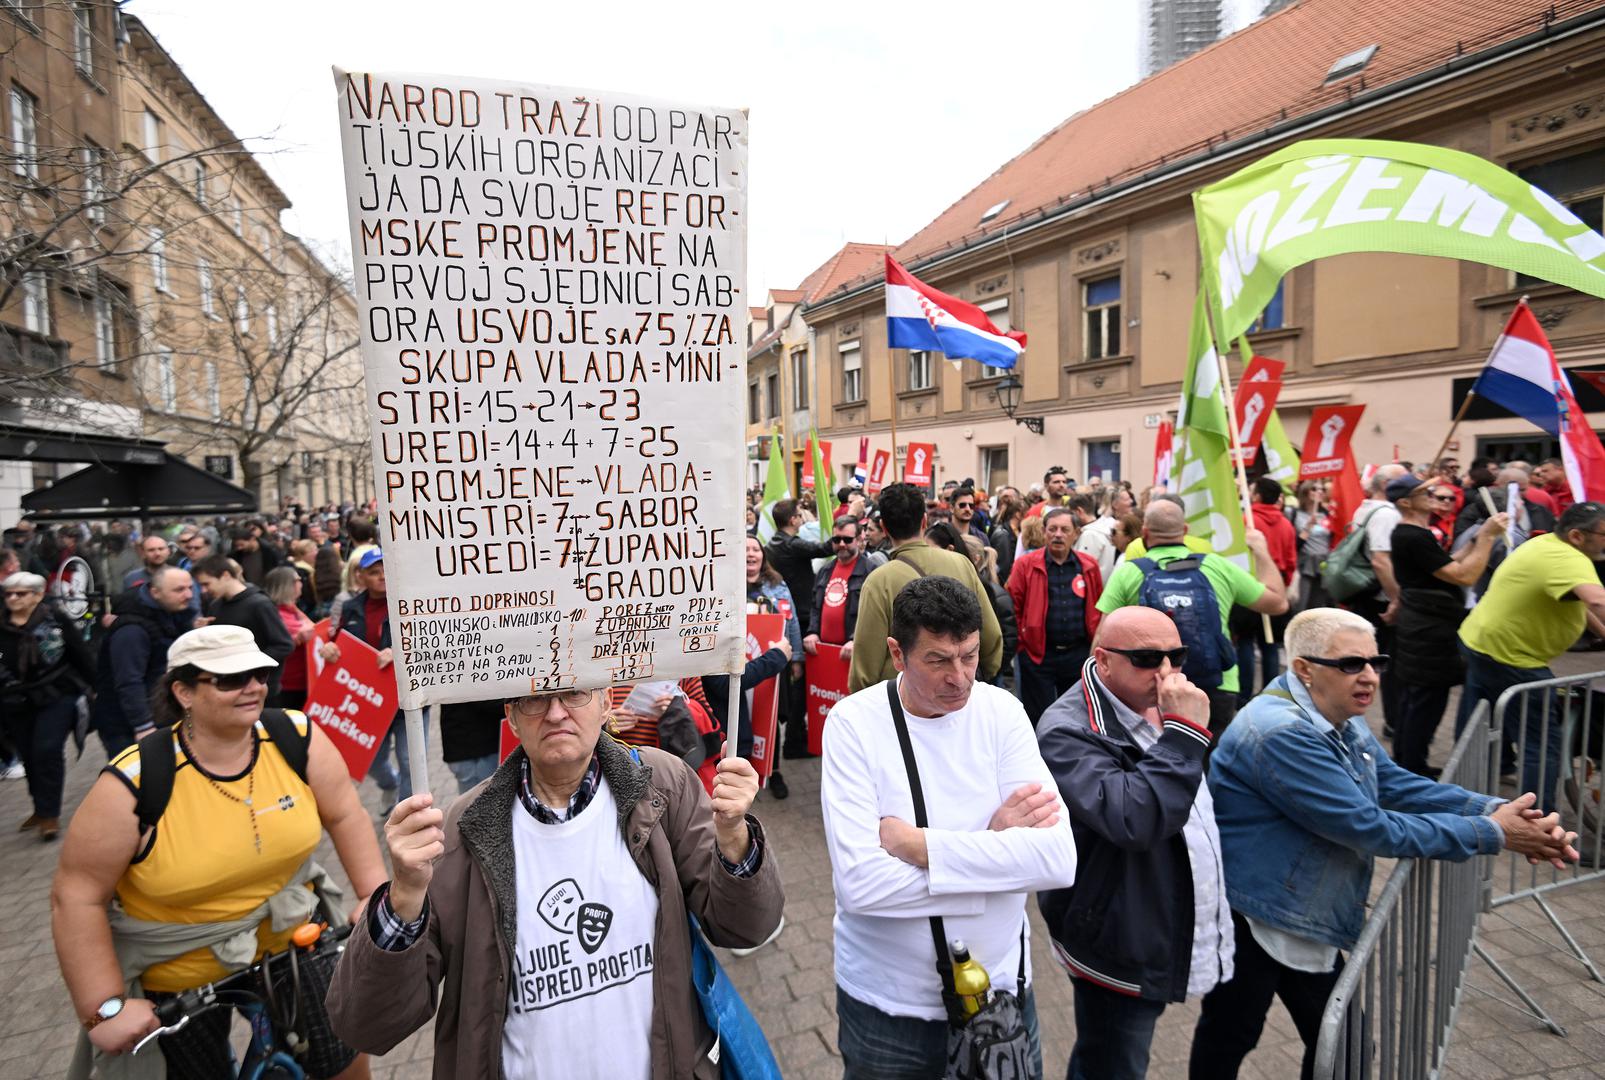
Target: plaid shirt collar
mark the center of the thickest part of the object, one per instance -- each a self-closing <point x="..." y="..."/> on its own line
<point x="578" y="801"/>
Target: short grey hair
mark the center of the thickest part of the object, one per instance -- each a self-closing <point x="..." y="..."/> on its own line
<point x="1312" y="630"/>
<point x="24" y="581"/>
<point x="1380" y="478"/>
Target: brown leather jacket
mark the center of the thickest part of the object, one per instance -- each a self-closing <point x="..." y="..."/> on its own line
<point x="458" y="970"/>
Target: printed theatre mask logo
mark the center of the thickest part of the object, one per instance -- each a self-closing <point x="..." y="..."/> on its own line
<point x="595" y="919"/>
<point x="565" y="909"/>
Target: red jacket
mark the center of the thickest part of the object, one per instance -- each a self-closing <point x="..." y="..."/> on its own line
<point x="1279" y="536"/>
<point x="1028" y="587"/>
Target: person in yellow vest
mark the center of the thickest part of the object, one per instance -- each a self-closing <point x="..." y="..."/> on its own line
<point x="217" y="875"/>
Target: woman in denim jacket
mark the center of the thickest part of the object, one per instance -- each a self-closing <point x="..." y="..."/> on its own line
<point x="1306" y="798"/>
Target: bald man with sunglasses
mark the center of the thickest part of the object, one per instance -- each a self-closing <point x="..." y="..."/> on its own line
<point x="1146" y="922"/>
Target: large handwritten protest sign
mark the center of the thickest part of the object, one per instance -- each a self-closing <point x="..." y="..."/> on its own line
<point x="550" y="290"/>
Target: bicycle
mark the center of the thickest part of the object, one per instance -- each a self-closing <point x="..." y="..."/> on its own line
<point x="250" y="990"/>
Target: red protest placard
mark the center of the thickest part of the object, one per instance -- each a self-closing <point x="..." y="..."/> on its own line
<point x="808" y="461"/>
<point x="827" y="684"/>
<point x="354" y="700"/>
<point x="877" y="472"/>
<point x="919" y="465"/>
<point x="763" y="700"/>
<point x="320" y="635"/>
<point x="1254" y="403"/>
<point x="1326" y="445"/>
<point x="1263" y="369"/>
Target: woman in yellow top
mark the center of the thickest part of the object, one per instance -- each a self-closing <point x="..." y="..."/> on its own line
<point x="238" y="829"/>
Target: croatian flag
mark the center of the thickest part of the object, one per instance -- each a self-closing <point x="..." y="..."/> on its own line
<point x="1523" y="376"/>
<point x="920" y="317"/>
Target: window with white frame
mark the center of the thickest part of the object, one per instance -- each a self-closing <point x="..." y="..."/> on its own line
<point x="166" y="379"/>
<point x="25" y="132"/>
<point x="998" y="311"/>
<point x="214" y="391"/>
<point x="92" y="159"/>
<point x="158" y="260"/>
<point x="919" y="370"/>
<point x="105" y="331"/>
<point x="242" y="311"/>
<point x="36" y="302"/>
<point x="203" y="275"/>
<point x="270" y="316"/>
<point x="1100" y="305"/>
<point x="852" y="372"/>
<point x="799" y="379"/>
<point x="154" y="139"/>
<point x="83" y="36"/>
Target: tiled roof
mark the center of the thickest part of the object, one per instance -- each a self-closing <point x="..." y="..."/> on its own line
<point x="1270" y="71"/>
<point x="785" y="296"/>
<point x="852" y="261"/>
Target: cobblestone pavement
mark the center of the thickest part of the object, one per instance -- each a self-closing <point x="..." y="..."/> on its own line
<point x="790" y="987"/>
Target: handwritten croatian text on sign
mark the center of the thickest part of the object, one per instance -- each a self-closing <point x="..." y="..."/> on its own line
<point x="550" y="291"/>
<point x="354" y="701"/>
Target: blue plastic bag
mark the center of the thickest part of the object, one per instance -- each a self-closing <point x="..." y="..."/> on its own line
<point x="743" y="1050"/>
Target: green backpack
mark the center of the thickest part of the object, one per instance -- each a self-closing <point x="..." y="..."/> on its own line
<point x="1347" y="572"/>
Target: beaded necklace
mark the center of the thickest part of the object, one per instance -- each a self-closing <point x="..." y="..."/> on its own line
<point x="250" y="790"/>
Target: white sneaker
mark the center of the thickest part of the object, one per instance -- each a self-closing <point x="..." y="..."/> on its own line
<point x="748" y="952"/>
<point x="14" y="771"/>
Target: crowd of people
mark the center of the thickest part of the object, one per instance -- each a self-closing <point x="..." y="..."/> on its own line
<point x="1060" y="691"/>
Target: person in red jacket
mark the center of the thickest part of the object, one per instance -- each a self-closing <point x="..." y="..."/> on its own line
<point x="1055" y="591"/>
<point x="1248" y="629"/>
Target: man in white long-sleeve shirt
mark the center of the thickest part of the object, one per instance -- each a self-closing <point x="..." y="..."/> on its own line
<point x="996" y="831"/>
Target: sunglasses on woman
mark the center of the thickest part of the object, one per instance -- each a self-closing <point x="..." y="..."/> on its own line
<point x="1352" y="665"/>
<point x="537" y="707"/>
<point x="229" y="684"/>
<point x="1150" y="659"/>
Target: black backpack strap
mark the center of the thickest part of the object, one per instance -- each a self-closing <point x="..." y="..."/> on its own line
<point x="944" y="963"/>
<point x="293" y="746"/>
<point x="157" y="763"/>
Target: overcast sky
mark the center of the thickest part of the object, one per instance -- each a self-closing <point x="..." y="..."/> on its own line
<point x="868" y="119"/>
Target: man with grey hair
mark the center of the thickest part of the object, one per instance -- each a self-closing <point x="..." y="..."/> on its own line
<point x="1305" y="799"/>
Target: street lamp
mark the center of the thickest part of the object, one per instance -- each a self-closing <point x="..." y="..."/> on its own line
<point x="1008" y="391"/>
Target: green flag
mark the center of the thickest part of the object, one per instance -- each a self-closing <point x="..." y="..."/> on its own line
<point x="824" y="486"/>
<point x="1281" y="459"/>
<point x="1331" y="196"/>
<point x="1205" y="479"/>
<point x="775" y="487"/>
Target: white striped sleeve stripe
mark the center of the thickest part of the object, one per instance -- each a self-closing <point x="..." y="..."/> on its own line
<point x="1188" y="729"/>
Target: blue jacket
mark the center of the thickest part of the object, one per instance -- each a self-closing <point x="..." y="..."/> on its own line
<point x="1303" y="808"/>
<point x="133" y="656"/>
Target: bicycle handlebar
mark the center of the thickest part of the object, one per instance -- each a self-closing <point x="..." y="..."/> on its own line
<point x="179" y="1010"/>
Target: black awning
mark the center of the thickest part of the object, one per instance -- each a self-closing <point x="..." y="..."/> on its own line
<point x="173" y="488"/>
<point x="19" y="442"/>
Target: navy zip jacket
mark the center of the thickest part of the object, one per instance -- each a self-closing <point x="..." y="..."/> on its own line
<point x="133" y="656"/>
<point x="1127" y="923"/>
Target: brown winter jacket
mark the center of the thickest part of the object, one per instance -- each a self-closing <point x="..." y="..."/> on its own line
<point x="458" y="970"/>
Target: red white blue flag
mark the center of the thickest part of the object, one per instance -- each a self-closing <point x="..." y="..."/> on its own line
<point x="920" y="317"/>
<point x="1522" y="375"/>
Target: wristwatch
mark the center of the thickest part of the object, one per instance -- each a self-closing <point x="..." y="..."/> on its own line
<point x="108" y="1009"/>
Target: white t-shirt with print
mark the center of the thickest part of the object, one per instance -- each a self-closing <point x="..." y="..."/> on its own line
<point x="580" y="1002"/>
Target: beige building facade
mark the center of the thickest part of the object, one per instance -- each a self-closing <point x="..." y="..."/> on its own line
<point x="1103" y="280"/>
<point x="150" y="289"/>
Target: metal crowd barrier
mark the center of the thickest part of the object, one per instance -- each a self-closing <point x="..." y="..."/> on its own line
<point x="1555" y="728"/>
<point x="1393" y="1008"/>
<point x="1394" y="1005"/>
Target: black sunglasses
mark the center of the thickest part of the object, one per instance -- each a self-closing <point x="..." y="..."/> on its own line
<point x="228" y="684"/>
<point x="842" y="539"/>
<point x="1352" y="665"/>
<point x="1149" y="659"/>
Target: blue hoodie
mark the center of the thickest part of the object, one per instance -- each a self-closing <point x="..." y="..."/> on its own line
<point x="133" y="656"/>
